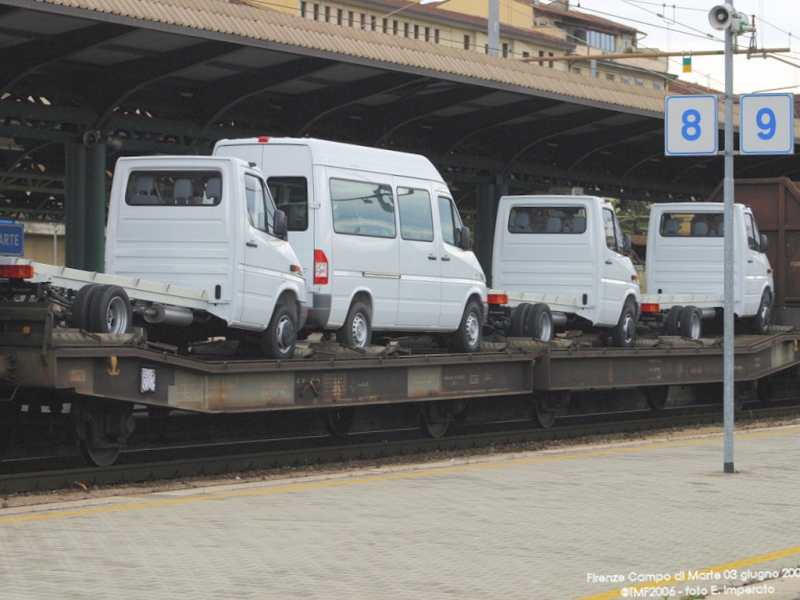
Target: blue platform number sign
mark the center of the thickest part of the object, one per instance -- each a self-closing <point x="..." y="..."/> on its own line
<point x="11" y="239"/>
<point x="766" y="124"/>
<point x="691" y="125"/>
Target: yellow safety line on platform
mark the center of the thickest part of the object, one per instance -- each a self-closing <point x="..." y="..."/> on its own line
<point x="738" y="564"/>
<point x="370" y="479"/>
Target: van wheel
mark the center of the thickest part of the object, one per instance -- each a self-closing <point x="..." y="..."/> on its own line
<point x="540" y="322"/>
<point x="278" y="340"/>
<point x="759" y="324"/>
<point x="467" y="337"/>
<point x="519" y="320"/>
<point x="691" y="325"/>
<point x="357" y="329"/>
<point x="110" y="311"/>
<point x="81" y="305"/>
<point x="673" y="321"/>
<point x="624" y="334"/>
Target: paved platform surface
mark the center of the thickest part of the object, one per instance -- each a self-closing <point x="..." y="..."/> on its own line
<point x="589" y="523"/>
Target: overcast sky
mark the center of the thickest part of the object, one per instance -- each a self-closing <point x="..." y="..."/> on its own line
<point x="682" y="26"/>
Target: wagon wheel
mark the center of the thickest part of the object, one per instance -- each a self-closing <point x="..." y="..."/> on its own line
<point x="657" y="397"/>
<point x="434" y="419"/>
<point x="545" y="407"/>
<point x="101" y="429"/>
<point x="339" y="420"/>
<point x="7" y="431"/>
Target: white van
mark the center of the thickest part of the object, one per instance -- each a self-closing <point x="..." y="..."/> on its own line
<point x="685" y="265"/>
<point x="379" y="237"/>
<point x="569" y="254"/>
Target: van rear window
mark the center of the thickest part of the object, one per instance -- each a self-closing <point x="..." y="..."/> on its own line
<point x="170" y="188"/>
<point x="691" y="225"/>
<point x="291" y="196"/>
<point x="362" y="208"/>
<point x="547" y="219"/>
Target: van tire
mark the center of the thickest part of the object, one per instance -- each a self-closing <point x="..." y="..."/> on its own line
<point x="519" y="320"/>
<point x="357" y="329"/>
<point x="467" y="338"/>
<point x="624" y="333"/>
<point x="279" y="338"/>
<point x="691" y="325"/>
<point x="672" y="325"/>
<point x="759" y="324"/>
<point x="81" y="305"/>
<point x="540" y="322"/>
<point x="110" y="310"/>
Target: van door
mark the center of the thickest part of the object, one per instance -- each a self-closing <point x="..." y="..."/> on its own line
<point x="615" y="281"/>
<point x="420" y="256"/>
<point x="756" y="266"/>
<point x="264" y="263"/>
<point x="457" y="271"/>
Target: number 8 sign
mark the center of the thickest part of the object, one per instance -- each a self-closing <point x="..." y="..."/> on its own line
<point x="691" y="125"/>
<point x="766" y="124"/>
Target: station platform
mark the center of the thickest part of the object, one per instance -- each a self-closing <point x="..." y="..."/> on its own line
<point x="581" y="522"/>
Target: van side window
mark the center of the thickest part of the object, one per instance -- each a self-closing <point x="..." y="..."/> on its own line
<point x="260" y="209"/>
<point x="752" y="232"/>
<point x="170" y="188"/>
<point x="450" y="220"/>
<point x="547" y="219"/>
<point x="416" y="217"/>
<point x="291" y="196"/>
<point x="362" y="208"/>
<point x="613" y="233"/>
<point x="691" y="225"/>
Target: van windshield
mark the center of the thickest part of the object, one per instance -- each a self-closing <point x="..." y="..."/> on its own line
<point x="691" y="225"/>
<point x="547" y="219"/>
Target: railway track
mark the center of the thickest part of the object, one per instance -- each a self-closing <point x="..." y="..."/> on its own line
<point x="217" y="459"/>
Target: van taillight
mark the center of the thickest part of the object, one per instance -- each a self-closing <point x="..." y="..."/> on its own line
<point x="263" y="139"/>
<point x="320" y="268"/>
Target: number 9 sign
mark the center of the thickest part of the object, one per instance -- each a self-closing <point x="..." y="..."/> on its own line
<point x="766" y="124"/>
<point x="691" y="125"/>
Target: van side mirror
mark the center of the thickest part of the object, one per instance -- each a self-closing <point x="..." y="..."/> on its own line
<point x="280" y="227"/>
<point x="763" y="243"/>
<point x="465" y="243"/>
<point x="626" y="245"/>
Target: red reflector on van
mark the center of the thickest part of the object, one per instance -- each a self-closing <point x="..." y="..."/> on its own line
<point x="263" y="139"/>
<point x="320" y="268"/>
<point x="16" y="271"/>
<point x="497" y="298"/>
<point x="649" y="307"/>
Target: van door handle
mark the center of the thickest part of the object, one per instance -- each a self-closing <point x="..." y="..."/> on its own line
<point x="431" y="257"/>
<point x="446" y="258"/>
<point x="750" y="260"/>
<point x="252" y="244"/>
<point x="608" y="262"/>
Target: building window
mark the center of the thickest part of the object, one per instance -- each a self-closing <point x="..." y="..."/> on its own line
<point x="604" y="41"/>
<point x="610" y="76"/>
<point x="395" y="26"/>
<point x="435" y="36"/>
<point x="303" y="9"/>
<point x="639" y="82"/>
<point x="316" y="12"/>
<point x="363" y="20"/>
<point x="525" y="54"/>
<point x="505" y="50"/>
<point x="350" y="18"/>
<point x="386" y="26"/>
<point x="427" y="34"/>
<point x="466" y="42"/>
<point x="576" y="70"/>
<point x="339" y="16"/>
<point x="657" y="85"/>
<point x="625" y="79"/>
<point x="550" y="63"/>
<point x="406" y="27"/>
<point x="416" y="32"/>
<point x="327" y="14"/>
<point x="374" y="23"/>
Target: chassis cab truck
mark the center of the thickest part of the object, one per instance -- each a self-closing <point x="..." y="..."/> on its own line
<point x="562" y="262"/>
<point x="194" y="249"/>
<point x="380" y="239"/>
<point x="685" y="268"/>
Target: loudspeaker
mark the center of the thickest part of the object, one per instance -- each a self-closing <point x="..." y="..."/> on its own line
<point x="90" y="138"/>
<point x="720" y="16"/>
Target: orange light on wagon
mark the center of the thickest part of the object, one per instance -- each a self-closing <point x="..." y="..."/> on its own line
<point x="497" y="298"/>
<point x="16" y="271"/>
<point x="650" y="307"/>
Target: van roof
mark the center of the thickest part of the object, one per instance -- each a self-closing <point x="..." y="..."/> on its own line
<point x="690" y="207"/>
<point x="552" y="199"/>
<point x="352" y="156"/>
